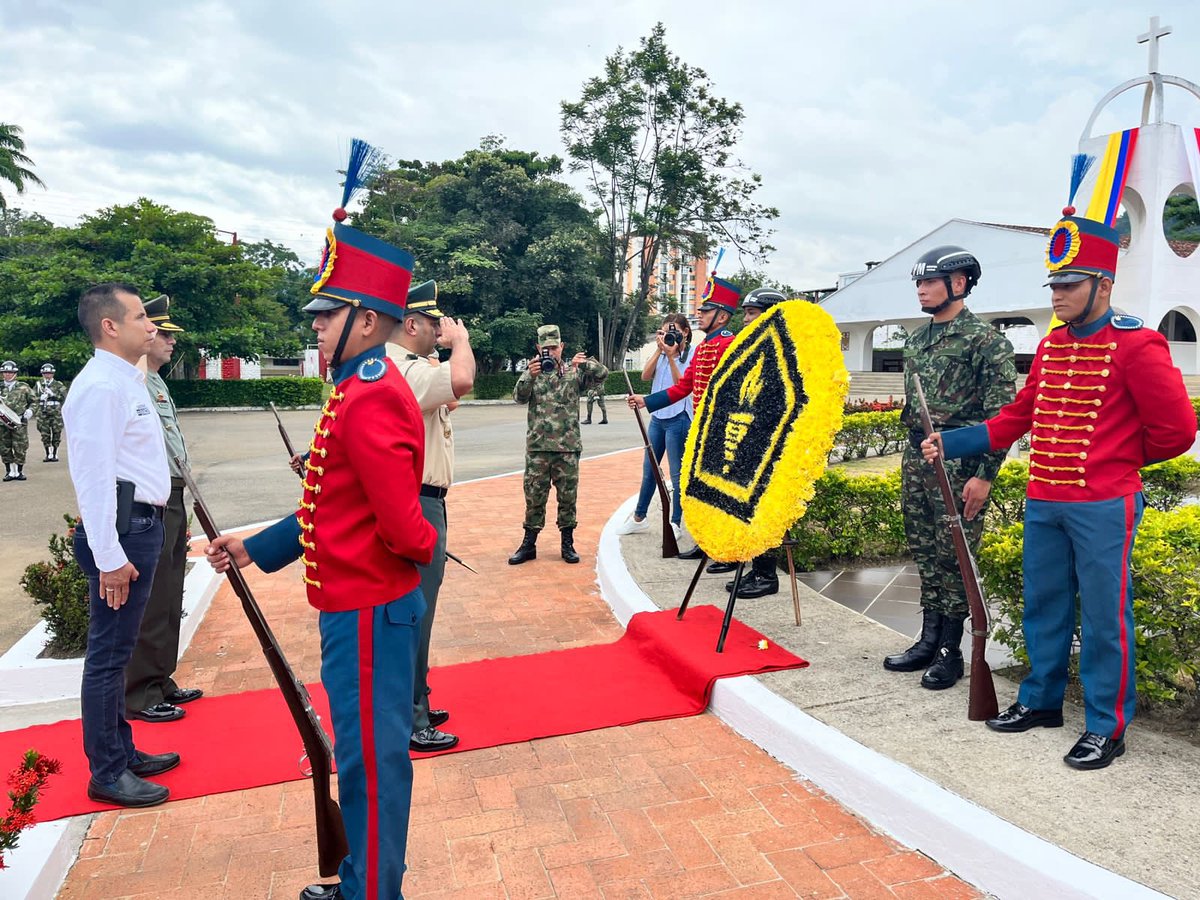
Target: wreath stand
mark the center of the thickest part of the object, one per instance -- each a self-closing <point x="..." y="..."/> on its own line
<point x="788" y="544"/>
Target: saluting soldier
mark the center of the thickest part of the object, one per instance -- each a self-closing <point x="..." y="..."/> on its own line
<point x="14" y="436"/>
<point x="437" y="388"/>
<point x="361" y="535"/>
<point x="50" y="396"/>
<point x="552" y="440"/>
<point x="967" y="372"/>
<point x="1103" y="399"/>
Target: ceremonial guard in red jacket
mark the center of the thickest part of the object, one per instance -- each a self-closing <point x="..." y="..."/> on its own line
<point x="360" y="534"/>
<point x="1102" y="400"/>
<point x="720" y="299"/>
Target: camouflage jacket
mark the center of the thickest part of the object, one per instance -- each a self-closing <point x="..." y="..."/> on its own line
<point x="967" y="371"/>
<point x="51" y="394"/>
<point x="17" y="396"/>
<point x="553" y="417"/>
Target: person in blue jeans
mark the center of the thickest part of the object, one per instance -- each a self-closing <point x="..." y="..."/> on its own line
<point x="668" y="426"/>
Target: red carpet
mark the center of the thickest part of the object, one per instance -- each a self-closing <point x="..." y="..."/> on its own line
<point x="659" y="669"/>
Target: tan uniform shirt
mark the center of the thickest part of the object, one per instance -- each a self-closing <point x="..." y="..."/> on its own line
<point x="430" y="384"/>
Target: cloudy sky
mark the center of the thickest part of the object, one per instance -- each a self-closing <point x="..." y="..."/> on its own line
<point x="871" y="121"/>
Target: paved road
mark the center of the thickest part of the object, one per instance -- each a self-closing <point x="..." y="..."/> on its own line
<point x="240" y="466"/>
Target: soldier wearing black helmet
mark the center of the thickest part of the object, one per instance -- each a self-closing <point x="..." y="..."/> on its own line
<point x="968" y="373"/>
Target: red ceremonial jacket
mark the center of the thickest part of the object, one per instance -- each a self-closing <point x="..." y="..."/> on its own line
<point x="359" y="529"/>
<point x="695" y="380"/>
<point x="1098" y="408"/>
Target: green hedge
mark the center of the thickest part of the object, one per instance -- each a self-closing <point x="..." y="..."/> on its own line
<point x="259" y="392"/>
<point x="851" y="517"/>
<point x="499" y="386"/>
<point x="865" y="431"/>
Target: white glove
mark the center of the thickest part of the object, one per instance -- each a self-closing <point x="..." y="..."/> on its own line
<point x="29" y="414"/>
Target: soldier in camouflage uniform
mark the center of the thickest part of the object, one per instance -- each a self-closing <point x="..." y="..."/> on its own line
<point x="968" y="373"/>
<point x="552" y="442"/>
<point x="14" y="442"/>
<point x="50" y="396"/>
<point x="595" y="395"/>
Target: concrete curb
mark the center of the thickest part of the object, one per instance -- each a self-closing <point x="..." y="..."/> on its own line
<point x="972" y="842"/>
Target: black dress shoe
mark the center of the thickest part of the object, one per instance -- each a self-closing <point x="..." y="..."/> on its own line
<point x="183" y="695"/>
<point x="149" y="764"/>
<point x="438" y="717"/>
<point x="129" y="790"/>
<point x="694" y="553"/>
<point x="1094" y="751"/>
<point x="430" y="740"/>
<point x="1020" y="717"/>
<point x="720" y="568"/>
<point x="758" y="586"/>
<point x="159" y="712"/>
<point x="322" y="892"/>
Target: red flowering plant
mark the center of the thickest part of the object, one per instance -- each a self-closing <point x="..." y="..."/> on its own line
<point x="25" y="782"/>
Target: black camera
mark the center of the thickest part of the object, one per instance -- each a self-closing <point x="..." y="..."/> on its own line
<point x="549" y="363"/>
<point x="672" y="337"/>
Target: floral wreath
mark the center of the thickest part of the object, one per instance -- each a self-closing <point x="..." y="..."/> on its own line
<point x="325" y="269"/>
<point x="795" y="455"/>
<point x="1064" y="245"/>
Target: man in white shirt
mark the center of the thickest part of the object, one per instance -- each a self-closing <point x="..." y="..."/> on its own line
<point x="437" y="389"/>
<point x="118" y="464"/>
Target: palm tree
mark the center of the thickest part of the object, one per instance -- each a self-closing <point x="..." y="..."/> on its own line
<point x="13" y="161"/>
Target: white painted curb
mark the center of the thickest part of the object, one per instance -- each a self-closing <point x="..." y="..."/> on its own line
<point x="974" y="843"/>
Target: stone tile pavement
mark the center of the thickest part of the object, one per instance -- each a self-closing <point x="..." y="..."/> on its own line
<point x="675" y="809"/>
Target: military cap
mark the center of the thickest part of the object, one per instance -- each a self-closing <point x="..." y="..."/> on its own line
<point x="47" y="369"/>
<point x="156" y="312"/>
<point x="548" y="336"/>
<point x="719" y="294"/>
<point x="1081" y="248"/>
<point x="763" y="298"/>
<point x="8" y="366"/>
<point x="423" y="299"/>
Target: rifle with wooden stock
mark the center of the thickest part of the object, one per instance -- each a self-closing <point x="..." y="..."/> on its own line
<point x="332" y="847"/>
<point x="982" y="704"/>
<point x="670" y="547"/>
<point x="287" y="441"/>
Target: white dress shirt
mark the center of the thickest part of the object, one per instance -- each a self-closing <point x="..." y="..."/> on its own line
<point x="112" y="432"/>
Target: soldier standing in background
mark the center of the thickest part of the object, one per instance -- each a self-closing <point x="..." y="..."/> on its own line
<point x="552" y="441"/>
<point x="595" y="395"/>
<point x="50" y="396"/>
<point x="14" y="440"/>
<point x="968" y="373"/>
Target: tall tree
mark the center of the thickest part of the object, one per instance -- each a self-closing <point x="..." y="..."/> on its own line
<point x="509" y="244"/>
<point x="656" y="145"/>
<point x="14" y="164"/>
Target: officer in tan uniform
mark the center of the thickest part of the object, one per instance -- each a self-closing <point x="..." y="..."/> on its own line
<point x="437" y="388"/>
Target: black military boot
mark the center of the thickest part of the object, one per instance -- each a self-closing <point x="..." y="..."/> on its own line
<point x="54" y="453"/>
<point x="8" y="472"/>
<point x="920" y="654"/>
<point x="604" y="421"/>
<point x="49" y="455"/>
<point x="947" y="665"/>
<point x="568" y="545"/>
<point x="587" y="421"/>
<point x="20" y="472"/>
<point x="527" y="550"/>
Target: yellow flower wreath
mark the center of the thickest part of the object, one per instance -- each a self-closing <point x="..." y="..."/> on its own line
<point x="763" y="431"/>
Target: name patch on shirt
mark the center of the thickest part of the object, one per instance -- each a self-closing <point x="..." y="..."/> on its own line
<point x="142" y="409"/>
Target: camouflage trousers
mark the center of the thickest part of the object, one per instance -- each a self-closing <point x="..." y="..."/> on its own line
<point x="14" y="444"/>
<point x="929" y="539"/>
<point x="50" y="426"/>
<point x="541" y="470"/>
<point x="598" y="398"/>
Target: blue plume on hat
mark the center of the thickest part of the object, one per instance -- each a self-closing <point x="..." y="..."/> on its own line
<point x="365" y="162"/>
<point x="1080" y="163"/>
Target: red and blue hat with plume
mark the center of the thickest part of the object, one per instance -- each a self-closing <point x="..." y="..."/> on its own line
<point x="1080" y="248"/>
<point x="356" y="268"/>
<point x="719" y="293"/>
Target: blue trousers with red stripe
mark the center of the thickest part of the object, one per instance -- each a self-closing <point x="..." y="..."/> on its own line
<point x="368" y="661"/>
<point x="1081" y="549"/>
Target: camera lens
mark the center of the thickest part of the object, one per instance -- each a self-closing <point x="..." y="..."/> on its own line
<point x="671" y="338"/>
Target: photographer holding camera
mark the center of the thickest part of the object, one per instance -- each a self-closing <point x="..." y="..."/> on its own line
<point x="668" y="426"/>
<point x="552" y="440"/>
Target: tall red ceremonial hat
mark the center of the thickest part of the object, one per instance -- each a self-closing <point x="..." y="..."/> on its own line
<point x="720" y="294"/>
<point x="356" y="268"/>
<point x="1080" y="248"/>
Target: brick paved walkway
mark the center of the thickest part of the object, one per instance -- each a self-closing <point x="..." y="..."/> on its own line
<point x="682" y="808"/>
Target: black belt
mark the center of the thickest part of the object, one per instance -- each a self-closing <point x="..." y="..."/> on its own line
<point x="437" y="493"/>
<point x="141" y="510"/>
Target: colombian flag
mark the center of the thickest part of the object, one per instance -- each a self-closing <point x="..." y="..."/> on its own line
<point x="1110" y="182"/>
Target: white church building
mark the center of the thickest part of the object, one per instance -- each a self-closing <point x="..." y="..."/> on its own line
<point x="1157" y="280"/>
